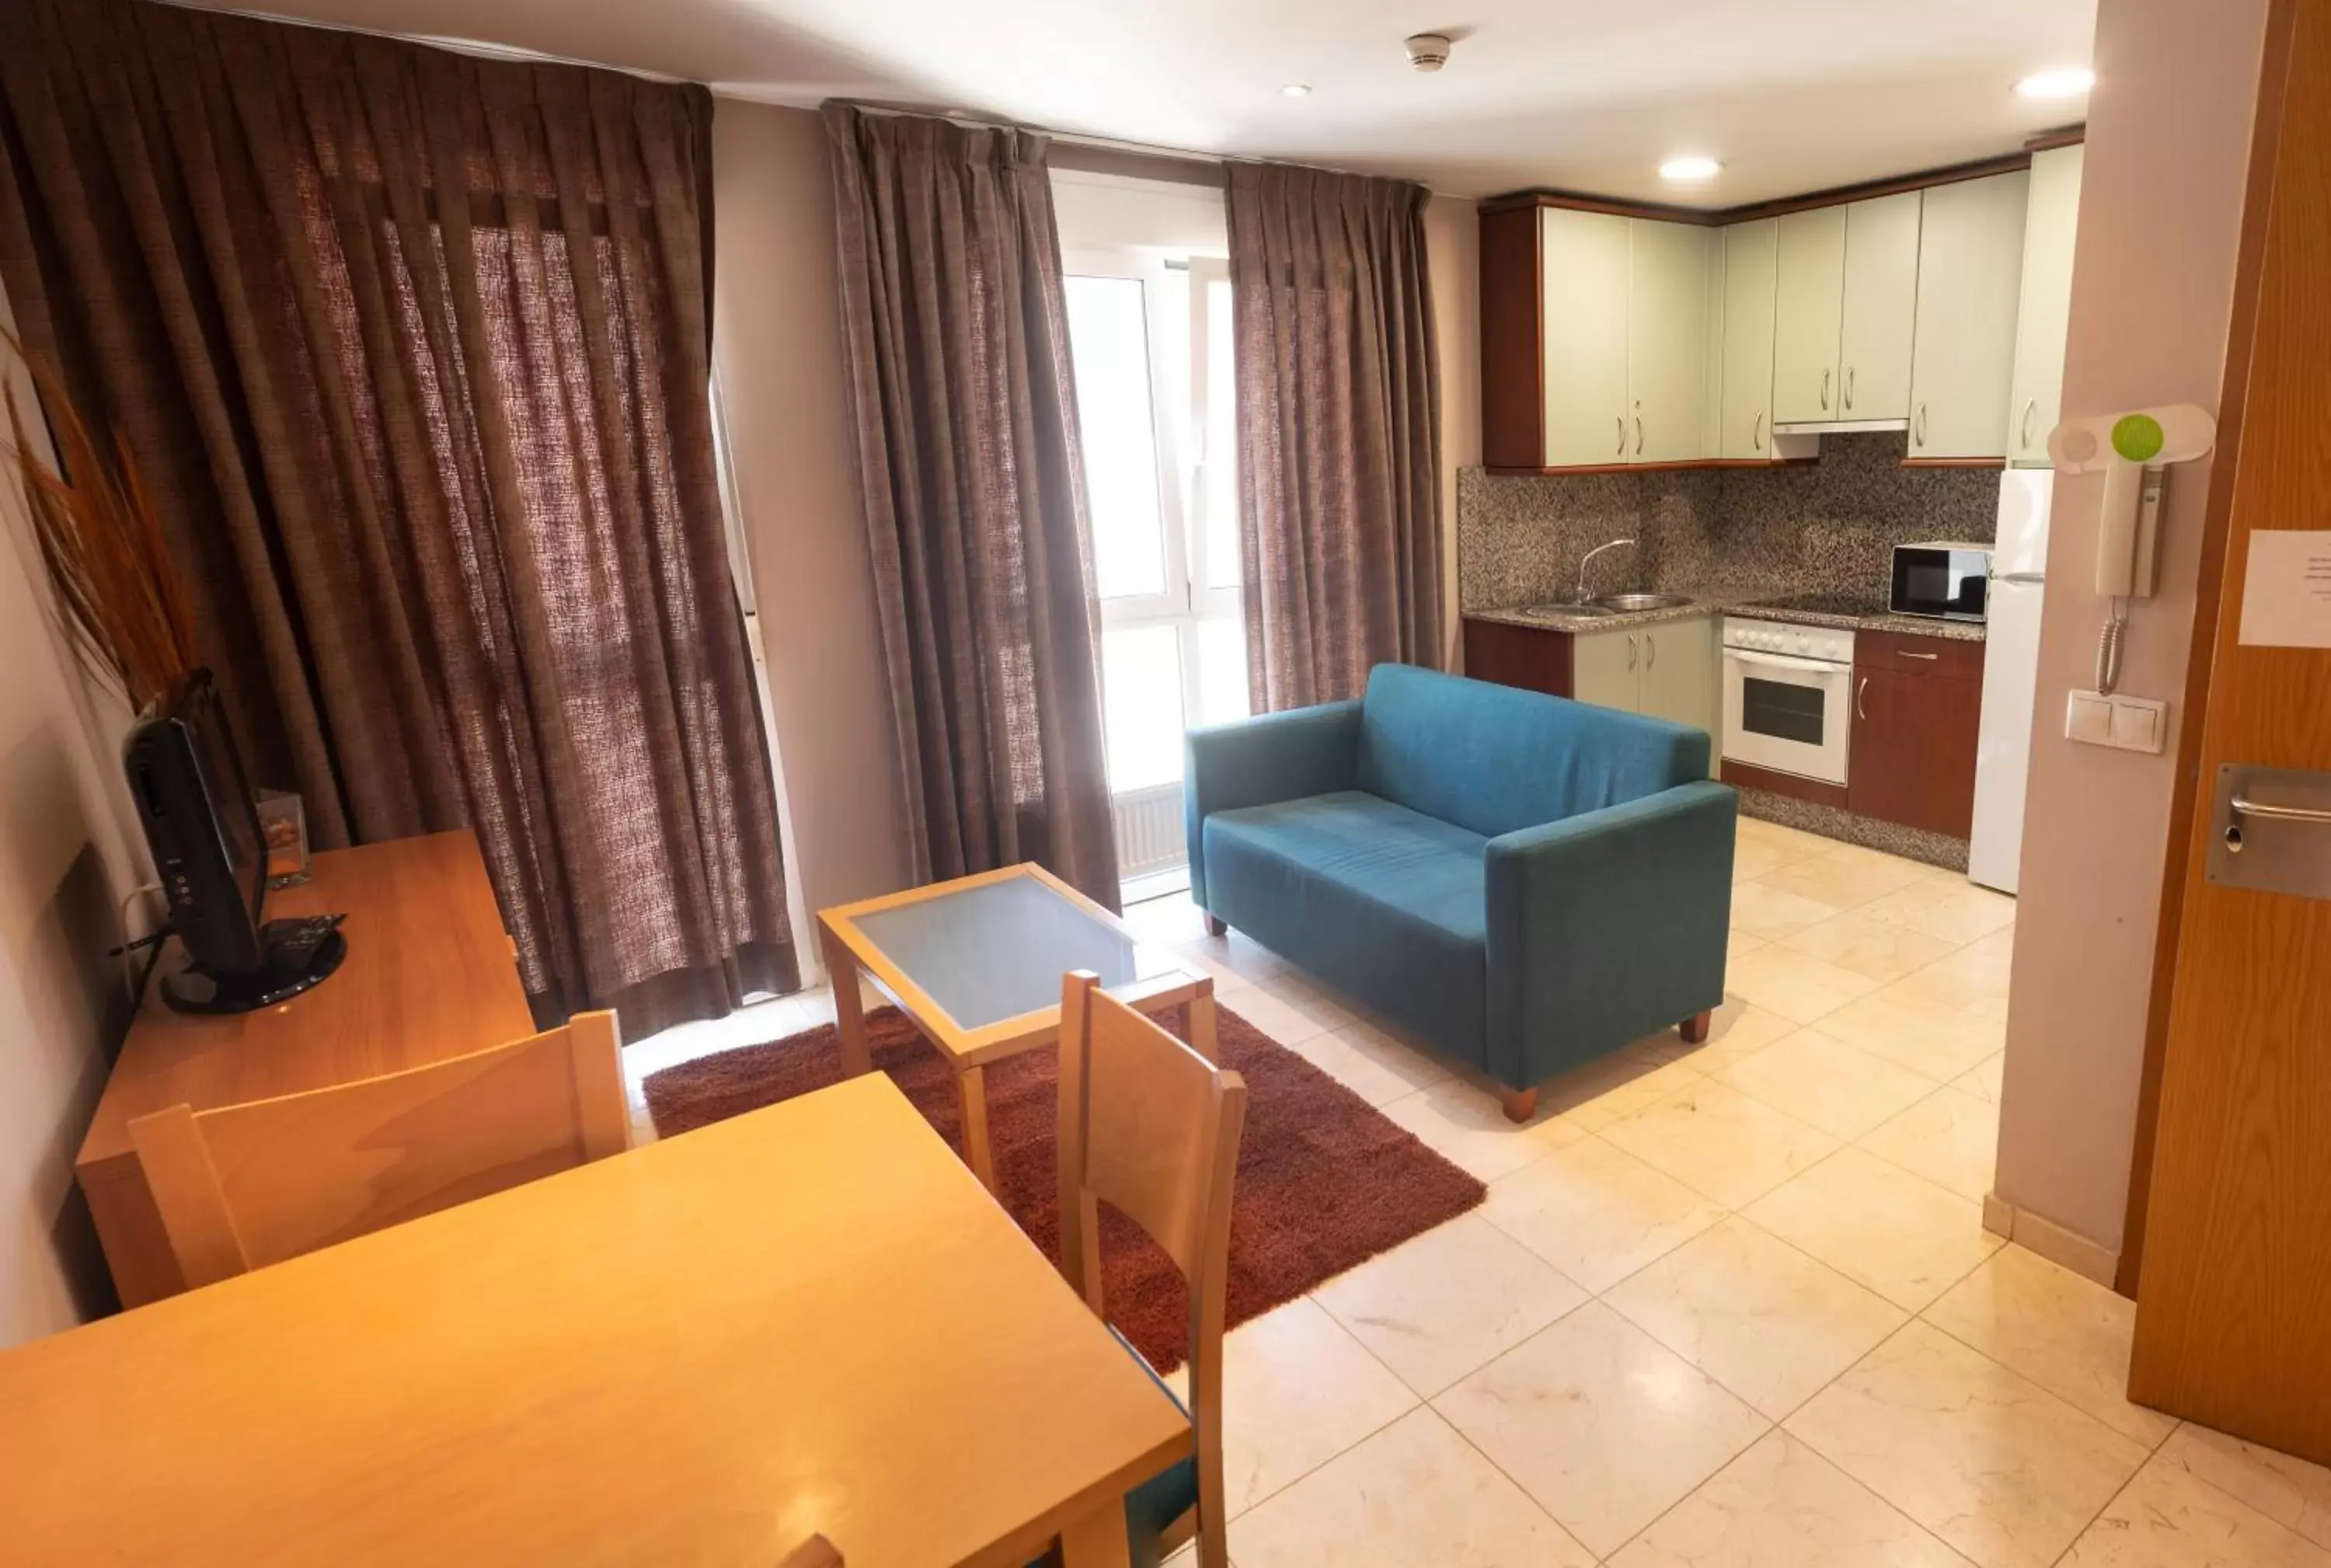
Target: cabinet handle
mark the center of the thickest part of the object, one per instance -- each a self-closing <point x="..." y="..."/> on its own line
<point x="1650" y="652"/>
<point x="1860" y="692"/>
<point x="1919" y="435"/>
<point x="2030" y="409"/>
<point x="1631" y="651"/>
<point x="1622" y="435"/>
<point x="1824" y="391"/>
<point x="1639" y="429"/>
<point x="1929" y="658"/>
<point x="1758" y="437"/>
<point x="1849" y="387"/>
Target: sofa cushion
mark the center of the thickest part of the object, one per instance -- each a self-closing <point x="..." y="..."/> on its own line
<point x="1383" y="901"/>
<point x="1495" y="759"/>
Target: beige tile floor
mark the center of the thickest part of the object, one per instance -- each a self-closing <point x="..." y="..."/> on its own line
<point x="1726" y="1307"/>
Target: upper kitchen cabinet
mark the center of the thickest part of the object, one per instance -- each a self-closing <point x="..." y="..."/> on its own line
<point x="1668" y="333"/>
<point x="1583" y="321"/>
<point x="1745" y="377"/>
<point x="1970" y="263"/>
<point x="1844" y="300"/>
<point x="1595" y="338"/>
<point x="2051" y="220"/>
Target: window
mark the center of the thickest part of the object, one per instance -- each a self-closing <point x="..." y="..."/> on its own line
<point x="1151" y="340"/>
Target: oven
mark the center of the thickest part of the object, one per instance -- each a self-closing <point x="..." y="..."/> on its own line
<point x="1787" y="696"/>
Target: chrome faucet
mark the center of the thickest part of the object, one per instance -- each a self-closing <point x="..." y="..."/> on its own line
<point x="1581" y="595"/>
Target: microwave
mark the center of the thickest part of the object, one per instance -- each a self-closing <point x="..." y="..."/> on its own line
<point x="1945" y="580"/>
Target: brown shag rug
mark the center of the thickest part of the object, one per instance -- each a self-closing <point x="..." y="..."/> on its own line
<point x="1324" y="1181"/>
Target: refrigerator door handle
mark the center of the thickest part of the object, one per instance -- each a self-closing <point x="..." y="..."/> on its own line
<point x="2019" y="576"/>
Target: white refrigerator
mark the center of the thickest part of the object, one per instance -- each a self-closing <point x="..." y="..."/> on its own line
<point x="2011" y="671"/>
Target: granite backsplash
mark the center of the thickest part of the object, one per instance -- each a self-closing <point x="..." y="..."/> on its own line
<point x="1829" y="526"/>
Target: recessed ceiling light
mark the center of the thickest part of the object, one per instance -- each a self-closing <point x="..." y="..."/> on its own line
<point x="2067" y="82"/>
<point x="1296" y="89"/>
<point x="1690" y="168"/>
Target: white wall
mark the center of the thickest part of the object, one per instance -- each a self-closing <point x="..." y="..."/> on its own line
<point x="777" y="346"/>
<point x="2161" y="208"/>
<point x="63" y="1002"/>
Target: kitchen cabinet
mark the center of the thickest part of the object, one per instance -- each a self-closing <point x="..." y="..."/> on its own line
<point x="1917" y="704"/>
<point x="2044" y="311"/>
<point x="1584" y="319"/>
<point x="1881" y="299"/>
<point x="1845" y="294"/>
<point x="1668" y="332"/>
<point x="1745" y="377"/>
<point x="1666" y="669"/>
<point x="1970" y="273"/>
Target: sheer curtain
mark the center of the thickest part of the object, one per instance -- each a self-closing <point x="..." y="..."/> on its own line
<point x="411" y="350"/>
<point x="1340" y="430"/>
<point x="955" y="331"/>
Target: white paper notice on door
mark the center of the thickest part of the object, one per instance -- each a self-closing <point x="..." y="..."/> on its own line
<point x="2286" y="589"/>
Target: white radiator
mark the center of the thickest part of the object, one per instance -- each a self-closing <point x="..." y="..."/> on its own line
<point x="1149" y="836"/>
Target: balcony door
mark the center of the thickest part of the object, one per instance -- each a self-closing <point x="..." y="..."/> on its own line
<point x="1150" y="334"/>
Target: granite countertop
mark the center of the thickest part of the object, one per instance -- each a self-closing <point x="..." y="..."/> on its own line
<point x="1560" y="617"/>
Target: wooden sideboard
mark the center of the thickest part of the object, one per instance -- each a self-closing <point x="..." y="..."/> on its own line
<point x="430" y="974"/>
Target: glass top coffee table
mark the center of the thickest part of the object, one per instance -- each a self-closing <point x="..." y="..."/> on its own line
<point x="977" y="964"/>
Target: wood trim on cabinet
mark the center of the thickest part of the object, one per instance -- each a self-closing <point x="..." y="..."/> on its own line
<point x="2209" y="599"/>
<point x="1779" y="206"/>
<point x="1534" y="658"/>
<point x="1509" y="470"/>
<point x="1743" y="775"/>
<point x="2063" y="136"/>
<point x="1513" y="343"/>
<point x="1992" y="462"/>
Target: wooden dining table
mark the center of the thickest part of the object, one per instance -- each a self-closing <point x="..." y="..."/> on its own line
<point x="808" y="1319"/>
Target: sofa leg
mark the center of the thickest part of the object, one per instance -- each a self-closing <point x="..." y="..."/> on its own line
<point x="1694" y="1029"/>
<point x="1520" y="1103"/>
<point x="1215" y="928"/>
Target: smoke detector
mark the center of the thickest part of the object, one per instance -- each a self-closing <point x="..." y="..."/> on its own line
<point x="1427" y="51"/>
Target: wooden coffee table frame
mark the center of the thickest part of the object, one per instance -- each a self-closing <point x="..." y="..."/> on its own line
<point x="849" y="953"/>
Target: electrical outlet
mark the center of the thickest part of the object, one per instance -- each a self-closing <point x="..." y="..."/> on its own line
<point x="2123" y="723"/>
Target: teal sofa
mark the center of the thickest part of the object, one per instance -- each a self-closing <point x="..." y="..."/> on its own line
<point x="1525" y="882"/>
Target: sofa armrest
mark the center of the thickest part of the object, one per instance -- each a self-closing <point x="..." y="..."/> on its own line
<point x="1607" y="926"/>
<point x="1259" y="761"/>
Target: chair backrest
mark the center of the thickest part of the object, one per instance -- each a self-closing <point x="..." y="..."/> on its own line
<point x="1152" y="1127"/>
<point x="243" y="1186"/>
<point x="1495" y="758"/>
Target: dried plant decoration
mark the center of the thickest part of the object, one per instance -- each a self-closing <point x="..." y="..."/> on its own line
<point x="111" y="578"/>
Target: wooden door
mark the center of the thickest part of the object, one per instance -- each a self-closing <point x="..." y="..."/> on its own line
<point x="1911" y="759"/>
<point x="1604" y="668"/>
<point x="1667" y="339"/>
<point x="2233" y="1311"/>
<point x="1962" y="352"/>
<point x="1678" y="678"/>
<point x="1583" y="285"/>
<point x="2043" y="312"/>
<point x="1880" y="298"/>
<point x="1808" y="300"/>
<point x="1751" y="256"/>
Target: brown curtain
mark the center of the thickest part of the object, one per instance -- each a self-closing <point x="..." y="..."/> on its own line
<point x="955" y="327"/>
<point x="1340" y="430"/>
<point x="411" y="350"/>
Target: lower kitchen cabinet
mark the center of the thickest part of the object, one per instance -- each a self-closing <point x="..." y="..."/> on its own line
<point x="1666" y="669"/>
<point x="1917" y="704"/>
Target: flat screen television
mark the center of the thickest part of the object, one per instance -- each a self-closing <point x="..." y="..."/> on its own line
<point x="201" y="817"/>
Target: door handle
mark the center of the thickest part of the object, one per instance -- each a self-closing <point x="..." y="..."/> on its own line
<point x="1631" y="651"/>
<point x="1860" y="692"/>
<point x="2030" y="409"/>
<point x="2243" y="806"/>
<point x="1824" y="391"/>
<point x="1849" y="387"/>
<point x="1757" y="438"/>
<point x="1622" y="435"/>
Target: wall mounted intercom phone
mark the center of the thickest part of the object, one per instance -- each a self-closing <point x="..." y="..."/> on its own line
<point x="2133" y="450"/>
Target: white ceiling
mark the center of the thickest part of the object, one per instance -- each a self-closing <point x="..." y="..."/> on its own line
<point x="1589" y="95"/>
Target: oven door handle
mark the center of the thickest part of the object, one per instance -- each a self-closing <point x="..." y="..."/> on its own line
<point x="1782" y="661"/>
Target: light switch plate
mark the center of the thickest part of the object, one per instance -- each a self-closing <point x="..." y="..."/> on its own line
<point x="2123" y="723"/>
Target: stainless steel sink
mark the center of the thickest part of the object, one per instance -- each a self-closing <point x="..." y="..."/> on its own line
<point x="1632" y="603"/>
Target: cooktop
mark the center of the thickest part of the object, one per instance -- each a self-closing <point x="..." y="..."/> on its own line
<point x="1823" y="605"/>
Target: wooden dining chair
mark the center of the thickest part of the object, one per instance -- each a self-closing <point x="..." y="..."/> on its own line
<point x="242" y="1186"/>
<point x="1152" y="1127"/>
